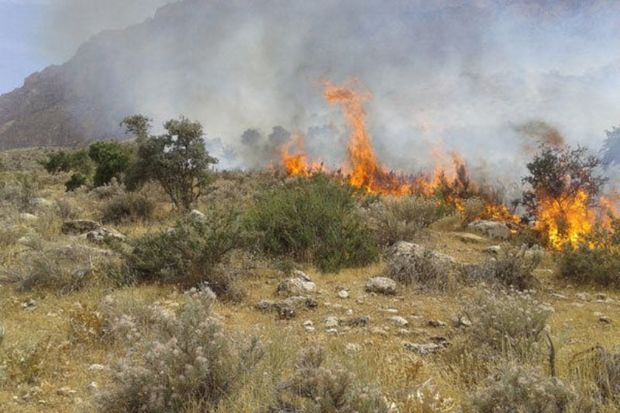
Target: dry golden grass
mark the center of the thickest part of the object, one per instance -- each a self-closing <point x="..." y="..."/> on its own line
<point x="63" y="362"/>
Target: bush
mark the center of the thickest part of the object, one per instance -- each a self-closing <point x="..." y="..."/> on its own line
<point x="128" y="208"/>
<point x="521" y="389"/>
<point x="24" y="364"/>
<point x="507" y="323"/>
<point x="188" y="362"/>
<point x="78" y="161"/>
<point x="473" y="208"/>
<point x="511" y="268"/>
<point x="410" y="263"/>
<point x="190" y="252"/>
<point x="76" y="181"/>
<point x="598" y="371"/>
<point x="19" y="190"/>
<point x="313" y="220"/>
<point x="401" y="219"/>
<point x="315" y="388"/>
<point x="111" y="159"/>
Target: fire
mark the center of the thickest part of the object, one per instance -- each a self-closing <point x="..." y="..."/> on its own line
<point x="565" y="220"/>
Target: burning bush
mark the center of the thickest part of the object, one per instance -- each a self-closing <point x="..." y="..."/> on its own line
<point x="313" y="220"/>
<point x="595" y="259"/>
<point x="564" y="189"/>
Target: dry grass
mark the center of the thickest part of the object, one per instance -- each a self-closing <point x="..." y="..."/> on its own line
<point x="54" y="344"/>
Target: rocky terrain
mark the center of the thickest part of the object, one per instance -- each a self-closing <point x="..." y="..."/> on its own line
<point x="408" y="325"/>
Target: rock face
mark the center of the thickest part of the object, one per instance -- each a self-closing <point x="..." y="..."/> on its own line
<point x="492" y="229"/>
<point x="298" y="284"/>
<point x="381" y="285"/>
<point x="79" y="226"/>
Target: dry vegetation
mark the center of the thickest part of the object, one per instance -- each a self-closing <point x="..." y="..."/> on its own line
<point x="132" y="325"/>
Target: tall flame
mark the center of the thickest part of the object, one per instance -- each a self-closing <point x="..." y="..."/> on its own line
<point x="564" y="220"/>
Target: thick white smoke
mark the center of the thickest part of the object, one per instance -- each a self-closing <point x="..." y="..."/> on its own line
<point x="461" y="74"/>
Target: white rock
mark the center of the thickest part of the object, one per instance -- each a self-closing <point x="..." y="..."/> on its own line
<point x="381" y="285"/>
<point x="331" y="322"/>
<point x="399" y="321"/>
<point x="343" y="294"/>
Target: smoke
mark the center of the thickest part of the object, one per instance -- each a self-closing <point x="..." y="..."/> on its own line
<point x="455" y="75"/>
<point x="538" y="132"/>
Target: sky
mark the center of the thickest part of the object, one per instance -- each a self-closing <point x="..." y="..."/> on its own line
<point x="37" y="33"/>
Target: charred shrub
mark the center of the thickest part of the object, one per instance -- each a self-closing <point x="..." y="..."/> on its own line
<point x="189" y="253"/>
<point x="187" y="361"/>
<point x="316" y="388"/>
<point x="129" y="207"/>
<point x="401" y="219"/>
<point x="517" y="388"/>
<point x="313" y="220"/>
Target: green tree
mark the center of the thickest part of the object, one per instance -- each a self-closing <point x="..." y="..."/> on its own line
<point x="111" y="159"/>
<point x="178" y="159"/>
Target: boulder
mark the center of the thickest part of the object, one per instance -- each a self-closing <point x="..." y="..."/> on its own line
<point x="411" y="263"/>
<point x="381" y="285"/>
<point x="101" y="235"/>
<point x="79" y="226"/>
<point x="298" y="284"/>
<point x="492" y="229"/>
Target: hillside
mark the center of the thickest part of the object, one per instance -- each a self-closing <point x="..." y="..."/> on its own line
<point x="70" y="312"/>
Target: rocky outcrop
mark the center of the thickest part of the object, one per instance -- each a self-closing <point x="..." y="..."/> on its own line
<point x="492" y="229"/>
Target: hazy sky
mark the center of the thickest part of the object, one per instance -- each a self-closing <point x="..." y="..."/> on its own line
<point x="37" y="33"/>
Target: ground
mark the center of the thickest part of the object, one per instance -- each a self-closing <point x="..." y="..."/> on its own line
<point x="66" y="372"/>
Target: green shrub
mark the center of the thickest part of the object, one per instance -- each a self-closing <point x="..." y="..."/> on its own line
<point x="319" y="389"/>
<point x="78" y="161"/>
<point x="313" y="220"/>
<point x="189" y="253"/>
<point x="187" y="361"/>
<point x="521" y="389"/>
<point x="111" y="159"/>
<point x="76" y="181"/>
<point x="129" y="207"/>
<point x="394" y="219"/>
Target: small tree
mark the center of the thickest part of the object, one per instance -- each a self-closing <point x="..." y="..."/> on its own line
<point x="560" y="173"/>
<point x="112" y="160"/>
<point x="178" y="159"/>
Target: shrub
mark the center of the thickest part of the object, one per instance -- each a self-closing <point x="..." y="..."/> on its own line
<point x="401" y="219"/>
<point x="19" y="190"/>
<point x="111" y="159"/>
<point x="128" y="208"/>
<point x="189" y="253"/>
<point x="24" y="364"/>
<point x="178" y="160"/>
<point x="410" y="263"/>
<point x="76" y="181"/>
<point x="509" y="323"/>
<point x="78" y="161"/>
<point x="521" y="389"/>
<point x="472" y="209"/>
<point x="598" y="371"/>
<point x="511" y="268"/>
<point x="315" y="388"/>
<point x="313" y="220"/>
<point x="188" y="362"/>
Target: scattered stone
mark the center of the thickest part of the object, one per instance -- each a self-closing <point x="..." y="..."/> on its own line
<point x="391" y="310"/>
<point x="265" y="305"/>
<point x="493" y="250"/>
<point x="404" y="332"/>
<point x="399" y="321"/>
<point x="331" y="322"/>
<point x="102" y="235"/>
<point x="301" y="302"/>
<point x="79" y="226"/>
<point x="492" y="229"/>
<point x="583" y="296"/>
<point x="197" y="215"/>
<point x="378" y="331"/>
<point x="559" y="296"/>
<point x="28" y="217"/>
<point x="332" y="331"/>
<point x="461" y="321"/>
<point x="351" y="348"/>
<point x="362" y="321"/>
<point x="285" y="312"/>
<point x="65" y="391"/>
<point x="29" y="305"/>
<point x="466" y="237"/>
<point x="96" y="367"/>
<point x="349" y="312"/>
<point x="441" y="340"/>
<point x="343" y="294"/>
<point x="41" y="203"/>
<point x="422" y="349"/>
<point x="92" y="387"/>
<point x="299" y="284"/>
<point x="601" y="296"/>
<point x="381" y="285"/>
<point x="436" y="323"/>
<point x="604" y="319"/>
<point x="309" y="326"/>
